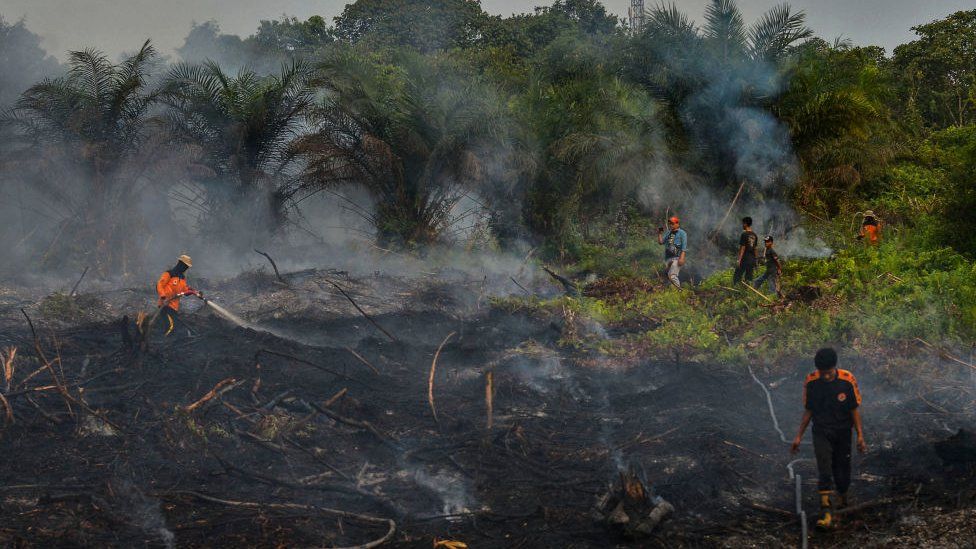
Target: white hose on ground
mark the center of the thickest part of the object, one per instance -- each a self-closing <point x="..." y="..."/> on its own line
<point x="769" y="401"/>
<point x="789" y="466"/>
<point x="798" y="486"/>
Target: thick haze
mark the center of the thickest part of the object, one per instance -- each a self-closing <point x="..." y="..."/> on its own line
<point x="115" y="26"/>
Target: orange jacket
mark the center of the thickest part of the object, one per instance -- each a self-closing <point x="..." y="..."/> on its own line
<point x="169" y="286"/>
<point x="872" y="233"/>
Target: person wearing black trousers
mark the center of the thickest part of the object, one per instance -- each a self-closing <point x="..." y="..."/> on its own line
<point x="831" y="400"/>
<point x="745" y="263"/>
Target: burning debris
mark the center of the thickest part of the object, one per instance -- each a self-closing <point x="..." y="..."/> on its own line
<point x="629" y="509"/>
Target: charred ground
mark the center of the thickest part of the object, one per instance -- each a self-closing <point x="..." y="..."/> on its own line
<point x="126" y="450"/>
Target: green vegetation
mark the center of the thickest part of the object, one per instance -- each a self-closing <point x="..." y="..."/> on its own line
<point x="568" y="130"/>
<point x="866" y="299"/>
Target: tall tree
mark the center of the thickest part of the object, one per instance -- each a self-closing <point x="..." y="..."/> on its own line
<point x="414" y="136"/>
<point x="939" y="70"/>
<point x="718" y="82"/>
<point x="90" y="127"/>
<point x="423" y="25"/>
<point x="243" y="125"/>
<point x="836" y="108"/>
<point x="593" y="137"/>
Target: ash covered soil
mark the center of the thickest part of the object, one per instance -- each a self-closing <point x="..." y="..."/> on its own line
<point x="319" y="430"/>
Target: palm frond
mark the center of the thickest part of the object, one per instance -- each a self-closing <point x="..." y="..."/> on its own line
<point x="724" y="27"/>
<point x="778" y="29"/>
<point x="668" y="20"/>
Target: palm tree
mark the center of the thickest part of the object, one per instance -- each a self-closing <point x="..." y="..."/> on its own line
<point x="839" y="124"/>
<point x="243" y="125"/>
<point x="594" y="138"/>
<point x="410" y="136"/>
<point x="718" y="83"/>
<point x="82" y="139"/>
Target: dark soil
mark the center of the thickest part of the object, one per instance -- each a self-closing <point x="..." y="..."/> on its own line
<point x="119" y="461"/>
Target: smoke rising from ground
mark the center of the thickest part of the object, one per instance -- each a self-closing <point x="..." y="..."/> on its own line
<point x="23" y="62"/>
<point x="175" y="214"/>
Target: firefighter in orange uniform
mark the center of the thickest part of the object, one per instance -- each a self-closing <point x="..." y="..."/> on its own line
<point x="870" y="229"/>
<point x="171" y="286"/>
<point x="831" y="399"/>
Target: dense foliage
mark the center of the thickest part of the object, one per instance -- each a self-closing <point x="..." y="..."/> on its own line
<point x="549" y="121"/>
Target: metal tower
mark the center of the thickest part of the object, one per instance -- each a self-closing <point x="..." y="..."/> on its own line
<point x="636" y="15"/>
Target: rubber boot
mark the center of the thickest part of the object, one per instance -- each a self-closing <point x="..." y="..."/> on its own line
<point x="827" y="520"/>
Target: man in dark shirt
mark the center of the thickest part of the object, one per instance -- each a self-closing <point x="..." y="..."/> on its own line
<point x="831" y="399"/>
<point x="774" y="269"/>
<point x="745" y="264"/>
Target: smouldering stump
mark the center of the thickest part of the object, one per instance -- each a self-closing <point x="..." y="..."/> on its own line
<point x="629" y="509"/>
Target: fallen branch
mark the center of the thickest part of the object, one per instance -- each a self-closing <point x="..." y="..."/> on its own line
<point x="363" y="360"/>
<point x="519" y="285"/>
<point x="273" y="266"/>
<point x="433" y="369"/>
<point x="944" y="354"/>
<point x="568" y="287"/>
<point x="47" y="365"/>
<point x="295" y="506"/>
<point x="335" y="398"/>
<point x="47" y="416"/>
<point x="75" y="287"/>
<point x="361" y="311"/>
<point x="306" y="362"/>
<point x="772" y="510"/>
<point x="383" y="437"/>
<point x="889" y="275"/>
<point x="735" y="199"/>
<point x="757" y="292"/>
<point x="8" y="417"/>
<point x="7" y="357"/>
<point x="219" y="389"/>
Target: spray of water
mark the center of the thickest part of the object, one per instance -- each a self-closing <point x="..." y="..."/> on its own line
<point x="229" y="316"/>
<point x="234" y="319"/>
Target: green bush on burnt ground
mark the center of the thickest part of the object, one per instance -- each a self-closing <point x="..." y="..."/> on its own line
<point x="870" y="298"/>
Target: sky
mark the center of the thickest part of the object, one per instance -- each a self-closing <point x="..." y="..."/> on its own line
<point x="117" y="26"/>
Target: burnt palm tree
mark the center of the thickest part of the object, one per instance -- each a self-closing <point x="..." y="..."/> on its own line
<point x="243" y="126"/>
<point x="81" y="141"/>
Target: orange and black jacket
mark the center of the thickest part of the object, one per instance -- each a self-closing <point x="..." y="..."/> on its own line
<point x="831" y="402"/>
<point x="871" y="230"/>
<point x="170" y="285"/>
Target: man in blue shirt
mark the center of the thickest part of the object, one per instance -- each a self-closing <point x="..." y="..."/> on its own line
<point x="675" y="243"/>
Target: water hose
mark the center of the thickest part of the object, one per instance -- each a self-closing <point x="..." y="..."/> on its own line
<point x="796" y="478"/>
